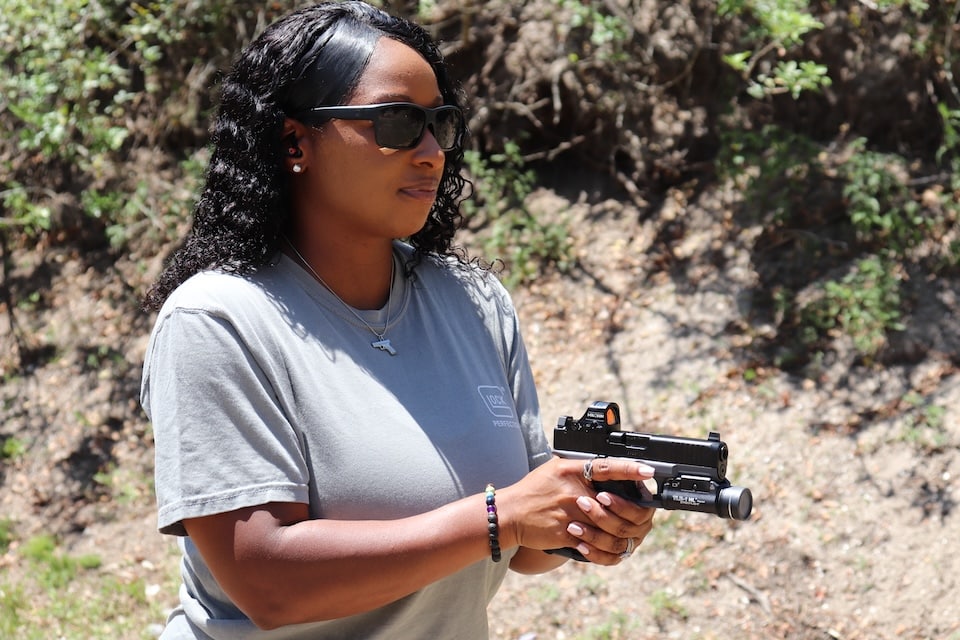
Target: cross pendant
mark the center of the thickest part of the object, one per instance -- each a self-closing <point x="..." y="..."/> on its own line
<point x="384" y="345"/>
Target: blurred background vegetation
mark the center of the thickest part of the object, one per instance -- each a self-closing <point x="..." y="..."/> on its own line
<point x="838" y="120"/>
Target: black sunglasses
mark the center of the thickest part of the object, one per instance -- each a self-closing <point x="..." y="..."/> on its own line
<point x="398" y="125"/>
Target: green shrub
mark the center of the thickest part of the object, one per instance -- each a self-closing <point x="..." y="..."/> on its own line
<point x="863" y="305"/>
<point x="881" y="206"/>
<point x="779" y="26"/>
<point x="774" y="166"/>
<point x="605" y="35"/>
<point x="84" y="83"/>
<point x="509" y="230"/>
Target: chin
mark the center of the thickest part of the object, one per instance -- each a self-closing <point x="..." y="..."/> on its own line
<point x="416" y="223"/>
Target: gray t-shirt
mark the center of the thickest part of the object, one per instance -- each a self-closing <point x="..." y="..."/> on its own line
<point x="267" y="389"/>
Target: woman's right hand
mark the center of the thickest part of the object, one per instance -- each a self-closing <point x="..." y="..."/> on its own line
<point x="555" y="506"/>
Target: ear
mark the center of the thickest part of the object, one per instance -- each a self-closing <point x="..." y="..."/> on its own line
<point x="293" y="147"/>
<point x="293" y="138"/>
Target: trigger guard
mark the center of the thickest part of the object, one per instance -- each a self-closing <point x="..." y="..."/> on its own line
<point x="633" y="490"/>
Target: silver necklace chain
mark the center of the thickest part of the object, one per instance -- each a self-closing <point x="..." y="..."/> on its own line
<point x="382" y="342"/>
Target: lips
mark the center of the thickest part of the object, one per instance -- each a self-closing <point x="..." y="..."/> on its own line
<point x="421" y="190"/>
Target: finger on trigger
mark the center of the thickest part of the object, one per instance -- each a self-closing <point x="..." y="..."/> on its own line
<point x="612" y="468"/>
<point x="646" y="471"/>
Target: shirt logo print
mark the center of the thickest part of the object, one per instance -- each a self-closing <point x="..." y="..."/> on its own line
<point x="497" y="401"/>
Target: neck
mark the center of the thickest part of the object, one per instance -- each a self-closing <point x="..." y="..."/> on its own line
<point x="360" y="279"/>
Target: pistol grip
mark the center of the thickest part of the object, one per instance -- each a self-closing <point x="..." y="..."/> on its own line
<point x="567" y="552"/>
<point x="636" y="492"/>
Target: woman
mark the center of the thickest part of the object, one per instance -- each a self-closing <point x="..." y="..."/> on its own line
<point x="332" y="386"/>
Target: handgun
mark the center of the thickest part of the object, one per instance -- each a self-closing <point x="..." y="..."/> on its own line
<point x="690" y="473"/>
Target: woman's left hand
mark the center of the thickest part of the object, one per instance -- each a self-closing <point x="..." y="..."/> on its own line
<point x="612" y="528"/>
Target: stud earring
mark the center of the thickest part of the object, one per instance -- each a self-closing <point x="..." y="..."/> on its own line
<point x="297" y="168"/>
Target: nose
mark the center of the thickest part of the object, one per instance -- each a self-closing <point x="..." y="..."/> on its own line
<point x="428" y="151"/>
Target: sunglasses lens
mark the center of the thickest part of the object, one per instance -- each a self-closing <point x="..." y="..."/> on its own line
<point x="399" y="127"/>
<point x="449" y="124"/>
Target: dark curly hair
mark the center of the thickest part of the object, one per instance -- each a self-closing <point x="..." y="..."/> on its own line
<point x="309" y="58"/>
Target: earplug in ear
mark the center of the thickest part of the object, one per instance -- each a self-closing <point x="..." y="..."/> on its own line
<point x="293" y="149"/>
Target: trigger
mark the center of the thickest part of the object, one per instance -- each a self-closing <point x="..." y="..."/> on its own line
<point x="644" y="491"/>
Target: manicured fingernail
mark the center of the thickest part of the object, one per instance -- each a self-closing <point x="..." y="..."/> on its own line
<point x="583" y="549"/>
<point x="574" y="529"/>
<point x="584" y="503"/>
<point x="646" y="469"/>
<point x="604" y="499"/>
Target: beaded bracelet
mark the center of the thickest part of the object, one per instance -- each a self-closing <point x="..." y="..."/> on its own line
<point x="493" y="523"/>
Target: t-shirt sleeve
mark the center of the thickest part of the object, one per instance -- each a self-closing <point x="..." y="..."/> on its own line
<point x="528" y="408"/>
<point x="522" y="385"/>
<point x="222" y="439"/>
